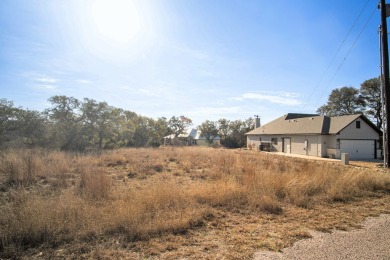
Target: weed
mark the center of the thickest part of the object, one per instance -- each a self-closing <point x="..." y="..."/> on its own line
<point x="53" y="198"/>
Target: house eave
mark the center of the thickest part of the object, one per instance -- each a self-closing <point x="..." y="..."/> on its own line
<point x="286" y="134"/>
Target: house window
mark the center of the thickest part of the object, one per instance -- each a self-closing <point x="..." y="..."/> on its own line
<point x="357" y="124"/>
<point x="274" y="141"/>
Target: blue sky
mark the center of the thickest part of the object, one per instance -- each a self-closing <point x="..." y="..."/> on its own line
<point x="205" y="59"/>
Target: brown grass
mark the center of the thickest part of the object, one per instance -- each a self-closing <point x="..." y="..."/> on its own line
<point x="140" y="196"/>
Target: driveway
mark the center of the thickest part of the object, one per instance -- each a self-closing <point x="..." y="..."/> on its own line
<point x="371" y="242"/>
<point x="371" y="163"/>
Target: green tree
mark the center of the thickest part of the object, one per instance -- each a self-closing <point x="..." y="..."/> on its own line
<point x="64" y="109"/>
<point x="343" y="101"/>
<point x="66" y="123"/>
<point x="232" y="133"/>
<point x="179" y="125"/>
<point x="160" y="129"/>
<point x="127" y="128"/>
<point x="7" y="120"/>
<point x="100" y="121"/>
<point x="370" y="91"/>
<point x="142" y="133"/>
<point x="209" y="130"/>
<point x="122" y="130"/>
<point x="31" y="127"/>
<point x="223" y="128"/>
<point x="238" y="130"/>
<point x="19" y="127"/>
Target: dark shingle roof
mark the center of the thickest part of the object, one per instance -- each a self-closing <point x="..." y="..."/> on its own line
<point x="308" y="124"/>
<point x="295" y="116"/>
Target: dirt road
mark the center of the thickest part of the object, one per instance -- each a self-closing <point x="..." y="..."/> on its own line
<point x="372" y="242"/>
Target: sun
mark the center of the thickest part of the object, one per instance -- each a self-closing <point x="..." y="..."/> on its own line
<point x="119" y="21"/>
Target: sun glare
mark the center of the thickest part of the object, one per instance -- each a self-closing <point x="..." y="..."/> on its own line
<point x="118" y="20"/>
<point x="117" y="30"/>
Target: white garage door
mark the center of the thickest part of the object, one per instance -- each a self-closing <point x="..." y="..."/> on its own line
<point x="358" y="149"/>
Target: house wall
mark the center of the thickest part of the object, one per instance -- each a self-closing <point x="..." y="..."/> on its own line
<point x="318" y="145"/>
<point x="331" y="141"/>
<point x="203" y="142"/>
<point x="279" y="146"/>
<point x="330" y="146"/>
<point x="313" y="145"/>
<point x="360" y="142"/>
<point x="253" y="141"/>
<point x="322" y="144"/>
<point x="365" y="132"/>
<point x="297" y="144"/>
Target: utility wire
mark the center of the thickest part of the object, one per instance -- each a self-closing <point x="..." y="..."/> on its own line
<point x="346" y="56"/>
<point x="349" y="51"/>
<point x="335" y="55"/>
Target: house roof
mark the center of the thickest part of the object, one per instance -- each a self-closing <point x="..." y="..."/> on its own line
<point x="293" y="123"/>
<point x="296" y="115"/>
<point x="338" y="123"/>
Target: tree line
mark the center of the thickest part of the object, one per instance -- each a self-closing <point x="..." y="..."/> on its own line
<point x="348" y="100"/>
<point x="80" y="125"/>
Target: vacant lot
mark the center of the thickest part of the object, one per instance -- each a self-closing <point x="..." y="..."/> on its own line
<point x="176" y="202"/>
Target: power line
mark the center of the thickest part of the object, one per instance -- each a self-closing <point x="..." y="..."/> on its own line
<point x="346" y="56"/>
<point x="349" y="51"/>
<point x="335" y="55"/>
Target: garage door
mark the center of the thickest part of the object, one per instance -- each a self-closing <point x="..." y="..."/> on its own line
<point x="358" y="149"/>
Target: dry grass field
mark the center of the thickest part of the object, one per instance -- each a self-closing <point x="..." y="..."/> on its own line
<point x="176" y="202"/>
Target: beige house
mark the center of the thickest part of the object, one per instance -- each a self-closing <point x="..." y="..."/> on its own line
<point x="191" y="137"/>
<point x="316" y="135"/>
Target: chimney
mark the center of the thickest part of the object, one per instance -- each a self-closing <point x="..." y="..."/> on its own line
<point x="257" y="121"/>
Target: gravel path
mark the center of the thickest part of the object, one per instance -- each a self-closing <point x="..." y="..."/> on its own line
<point x="372" y="242"/>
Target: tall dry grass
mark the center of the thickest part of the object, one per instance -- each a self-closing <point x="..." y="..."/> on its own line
<point x="25" y="167"/>
<point x="28" y="220"/>
<point x="52" y="198"/>
<point x="267" y="182"/>
<point x="94" y="183"/>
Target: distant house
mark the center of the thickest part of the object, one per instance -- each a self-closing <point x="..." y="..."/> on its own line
<point x="191" y="137"/>
<point x="317" y="135"/>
